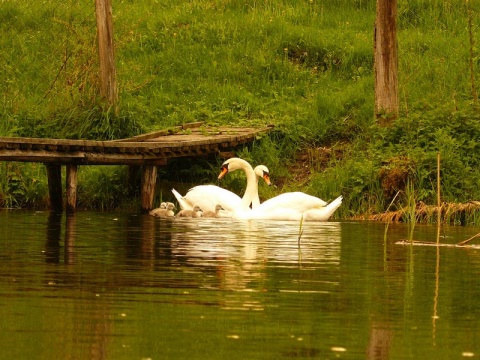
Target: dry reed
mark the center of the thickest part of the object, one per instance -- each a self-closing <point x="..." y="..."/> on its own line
<point x="425" y="213"/>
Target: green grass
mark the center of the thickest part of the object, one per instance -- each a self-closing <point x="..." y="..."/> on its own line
<point x="305" y="66"/>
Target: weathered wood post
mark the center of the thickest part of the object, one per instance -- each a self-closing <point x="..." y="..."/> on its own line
<point x="106" y="53"/>
<point x="149" y="180"/>
<point x="54" y="177"/>
<point x="386" y="62"/>
<point x="71" y="187"/>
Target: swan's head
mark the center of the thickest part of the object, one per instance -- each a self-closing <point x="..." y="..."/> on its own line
<point x="163" y="205"/>
<point x="261" y="171"/>
<point x="196" y="208"/>
<point x="233" y="164"/>
<point x="170" y="206"/>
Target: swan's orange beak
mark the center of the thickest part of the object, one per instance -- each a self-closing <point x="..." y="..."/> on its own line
<point x="223" y="172"/>
<point x="266" y="177"/>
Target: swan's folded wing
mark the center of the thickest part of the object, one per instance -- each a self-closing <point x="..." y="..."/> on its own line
<point x="297" y="201"/>
<point x="209" y="196"/>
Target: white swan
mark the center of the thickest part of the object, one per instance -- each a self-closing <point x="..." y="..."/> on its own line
<point x="207" y="197"/>
<point x="164" y="212"/>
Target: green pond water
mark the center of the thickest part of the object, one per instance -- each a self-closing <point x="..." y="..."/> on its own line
<point x="102" y="285"/>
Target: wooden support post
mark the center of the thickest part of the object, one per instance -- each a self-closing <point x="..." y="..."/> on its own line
<point x="106" y="54"/>
<point x="71" y="185"/>
<point x="54" y="176"/>
<point x="149" y="180"/>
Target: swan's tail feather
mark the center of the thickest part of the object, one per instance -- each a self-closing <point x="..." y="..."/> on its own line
<point x="181" y="200"/>
<point x="337" y="202"/>
<point x="323" y="214"/>
<point x="333" y="206"/>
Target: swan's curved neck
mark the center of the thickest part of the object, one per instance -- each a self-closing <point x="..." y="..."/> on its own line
<point x="251" y="191"/>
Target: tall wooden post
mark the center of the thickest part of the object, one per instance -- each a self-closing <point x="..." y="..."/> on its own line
<point x="54" y="176"/>
<point x="149" y="180"/>
<point x="386" y="62"/>
<point x="71" y="188"/>
<point x="106" y="53"/>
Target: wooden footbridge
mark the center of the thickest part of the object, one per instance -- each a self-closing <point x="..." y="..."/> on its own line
<point x="148" y="151"/>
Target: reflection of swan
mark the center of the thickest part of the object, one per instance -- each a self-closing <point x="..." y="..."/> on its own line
<point x="195" y="213"/>
<point x="163" y="212"/>
<point x="208" y="196"/>
<point x="242" y="254"/>
<point x="287" y="206"/>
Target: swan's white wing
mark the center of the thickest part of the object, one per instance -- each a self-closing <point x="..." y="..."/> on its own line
<point x="297" y="201"/>
<point x="209" y="196"/>
<point x="280" y="212"/>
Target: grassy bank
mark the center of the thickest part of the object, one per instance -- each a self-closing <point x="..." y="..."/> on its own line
<point x="305" y="66"/>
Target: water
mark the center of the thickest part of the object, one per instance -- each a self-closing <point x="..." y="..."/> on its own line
<point x="129" y="286"/>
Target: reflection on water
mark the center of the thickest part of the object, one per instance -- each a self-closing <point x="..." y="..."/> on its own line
<point x="103" y="285"/>
<point x="54" y="238"/>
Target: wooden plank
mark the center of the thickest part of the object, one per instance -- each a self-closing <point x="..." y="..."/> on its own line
<point x="82" y="158"/>
<point x="161" y="133"/>
<point x="431" y="243"/>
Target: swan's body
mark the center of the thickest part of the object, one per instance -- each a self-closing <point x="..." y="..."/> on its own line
<point x="194" y="213"/>
<point x="210" y="214"/>
<point x="295" y="212"/>
<point x="207" y="197"/>
<point x="293" y="200"/>
<point x="164" y="212"/>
